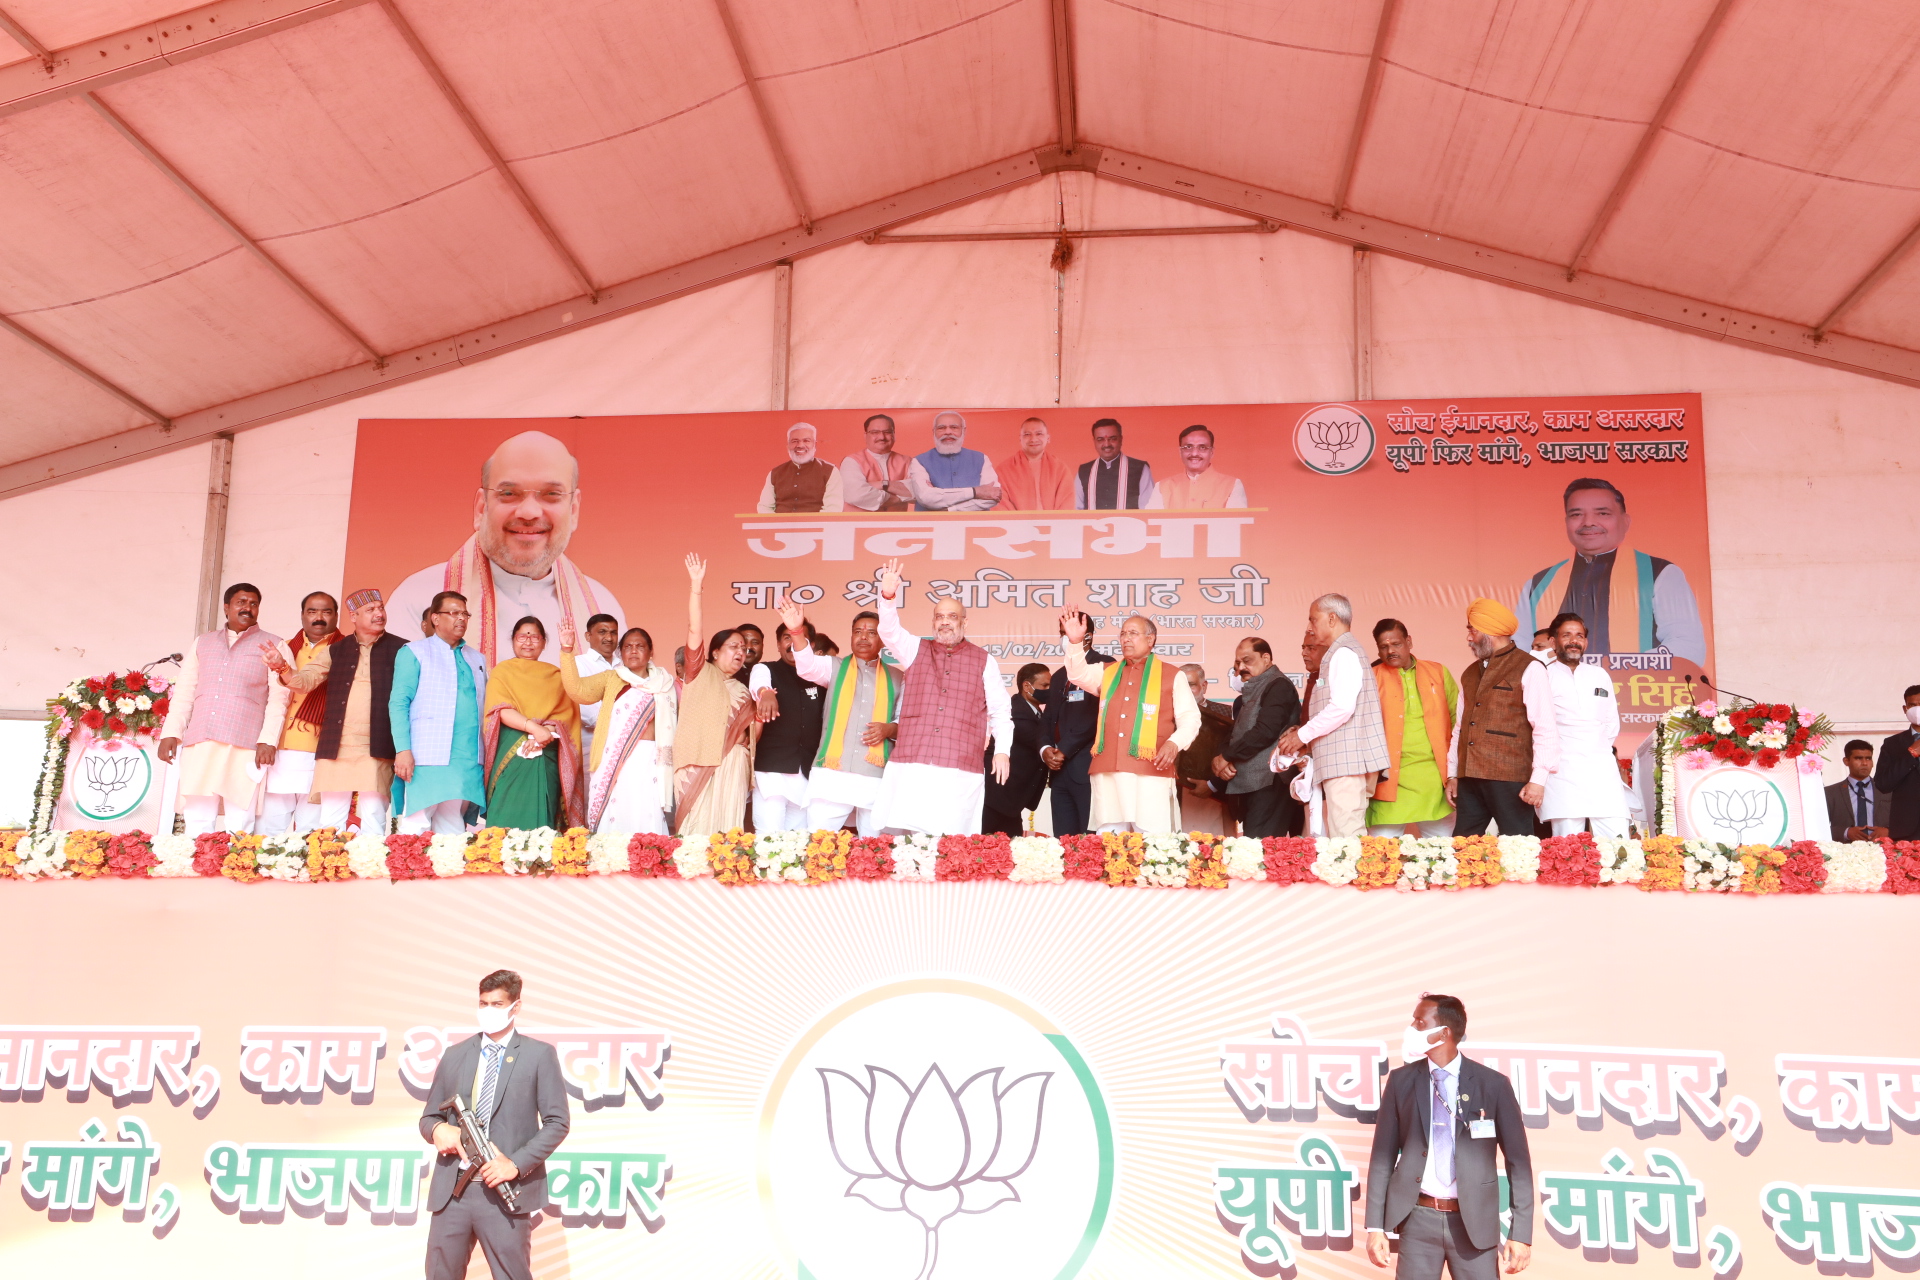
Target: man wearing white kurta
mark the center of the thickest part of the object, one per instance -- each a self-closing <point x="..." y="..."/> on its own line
<point x="1585" y="788"/>
<point x="951" y="704"/>
<point x="1147" y="718"/>
<point x="228" y="711"/>
<point x="863" y="694"/>
<point x="603" y="637"/>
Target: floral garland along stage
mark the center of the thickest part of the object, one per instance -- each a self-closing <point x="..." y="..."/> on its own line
<point x="118" y="704"/>
<point x="1189" y="860"/>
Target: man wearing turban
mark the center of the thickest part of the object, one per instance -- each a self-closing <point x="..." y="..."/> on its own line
<point x="1504" y="739"/>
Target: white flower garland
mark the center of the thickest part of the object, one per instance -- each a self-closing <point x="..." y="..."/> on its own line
<point x="42" y="857"/>
<point x="367" y="857"/>
<point x="447" y="852"/>
<point x="1337" y="861"/>
<point x="1165" y="859"/>
<point x="1428" y="863"/>
<point x="1520" y="858"/>
<point x="282" y="857"/>
<point x="1710" y="869"/>
<point x="1245" y="858"/>
<point x="173" y="857"/>
<point x="781" y="855"/>
<point x="1859" y="867"/>
<point x="915" y="856"/>
<point x="690" y="859"/>
<point x="1037" y="860"/>
<point x="1621" y="861"/>
<point x="525" y="852"/>
<point x="607" y="852"/>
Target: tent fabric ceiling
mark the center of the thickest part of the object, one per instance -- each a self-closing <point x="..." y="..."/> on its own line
<point x="650" y="136"/>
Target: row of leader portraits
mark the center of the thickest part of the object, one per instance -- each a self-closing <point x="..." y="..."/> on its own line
<point x="496" y="689"/>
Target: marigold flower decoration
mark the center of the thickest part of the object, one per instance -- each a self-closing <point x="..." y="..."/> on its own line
<point x="827" y="855"/>
<point x="651" y="856"/>
<point x="87" y="853"/>
<point x="870" y="858"/>
<point x="1207" y="869"/>
<point x="1805" y="868"/>
<point x="1666" y="864"/>
<point x="327" y="855"/>
<point x="407" y="857"/>
<point x="242" y="860"/>
<point x="1083" y="857"/>
<point x="570" y="852"/>
<point x="9" y="859"/>
<point x="1477" y="862"/>
<point x="483" y="852"/>
<point x="1379" y="865"/>
<point x="730" y="854"/>
<point x="1571" y="860"/>
<point x="1290" y="859"/>
<point x="1125" y="851"/>
<point x="210" y="852"/>
<point x="1763" y="863"/>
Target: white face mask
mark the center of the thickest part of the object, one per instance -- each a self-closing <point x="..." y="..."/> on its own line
<point x="1913" y="716"/>
<point x="494" y="1018"/>
<point x="1414" y="1043"/>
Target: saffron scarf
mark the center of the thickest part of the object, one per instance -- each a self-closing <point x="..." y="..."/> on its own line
<point x="533" y="689"/>
<point x="1146" y="725"/>
<point x="313" y="707"/>
<point x="471" y="574"/>
<point x="1629" y="600"/>
<point x="886" y="698"/>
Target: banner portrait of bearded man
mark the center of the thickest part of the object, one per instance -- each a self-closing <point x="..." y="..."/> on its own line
<point x="515" y="563"/>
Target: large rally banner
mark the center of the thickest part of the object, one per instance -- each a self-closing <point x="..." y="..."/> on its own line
<point x="1410" y="509"/>
<point x="946" y="1081"/>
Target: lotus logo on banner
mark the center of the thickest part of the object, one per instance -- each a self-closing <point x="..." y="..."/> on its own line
<point x="935" y="1129"/>
<point x="110" y="779"/>
<point x="1334" y="439"/>
<point x="1738" y="806"/>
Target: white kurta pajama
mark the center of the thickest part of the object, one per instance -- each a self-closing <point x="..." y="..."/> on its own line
<point x="927" y="797"/>
<point x="217" y="775"/>
<point x="835" y="795"/>
<point x="1585" y="786"/>
<point x="1123" y="801"/>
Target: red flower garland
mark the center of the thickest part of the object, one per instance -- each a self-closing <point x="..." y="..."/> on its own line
<point x="1903" y="866"/>
<point x="210" y="852"/>
<point x="652" y="855"/>
<point x="973" y="858"/>
<point x="130" y="856"/>
<point x="1805" y="869"/>
<point x="1289" y="859"/>
<point x="407" y="857"/>
<point x="870" y="858"/>
<point x="1083" y="857"/>
<point x="1570" y="860"/>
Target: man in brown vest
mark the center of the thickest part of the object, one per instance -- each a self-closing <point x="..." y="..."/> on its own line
<point x="1147" y="718"/>
<point x="1505" y="742"/>
<point x="803" y="482"/>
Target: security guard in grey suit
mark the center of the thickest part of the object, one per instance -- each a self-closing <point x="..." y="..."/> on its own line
<point x="513" y="1085"/>
<point x="1432" y="1178"/>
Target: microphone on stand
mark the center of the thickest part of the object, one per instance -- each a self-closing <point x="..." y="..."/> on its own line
<point x="1717" y="691"/>
<point x="172" y="657"/>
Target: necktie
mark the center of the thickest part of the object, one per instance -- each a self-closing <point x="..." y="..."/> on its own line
<point x="484" y="1107"/>
<point x="1442" y="1130"/>
<point x="1861" y="818"/>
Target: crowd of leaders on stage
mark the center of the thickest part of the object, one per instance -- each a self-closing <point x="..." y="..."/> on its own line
<point x="904" y="732"/>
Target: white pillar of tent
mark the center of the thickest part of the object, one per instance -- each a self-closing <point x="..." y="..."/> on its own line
<point x="213" y="536"/>
<point x="1362" y="323"/>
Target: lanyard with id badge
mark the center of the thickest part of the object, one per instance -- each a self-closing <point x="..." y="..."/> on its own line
<point x="1480" y="1127"/>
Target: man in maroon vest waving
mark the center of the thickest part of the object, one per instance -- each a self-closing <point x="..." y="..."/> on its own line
<point x="952" y="702"/>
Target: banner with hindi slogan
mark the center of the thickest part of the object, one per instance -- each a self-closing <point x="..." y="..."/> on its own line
<point x="1409" y="508"/>
<point x="876" y="1081"/>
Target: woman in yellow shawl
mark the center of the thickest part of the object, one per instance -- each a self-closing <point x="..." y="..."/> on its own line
<point x="713" y="741"/>
<point x="532" y="740"/>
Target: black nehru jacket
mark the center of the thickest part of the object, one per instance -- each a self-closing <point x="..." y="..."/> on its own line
<point x="1068" y="723"/>
<point x="345" y="664"/>
<point x="788" y="744"/>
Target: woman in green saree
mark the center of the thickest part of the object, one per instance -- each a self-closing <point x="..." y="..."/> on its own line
<point x="532" y="729"/>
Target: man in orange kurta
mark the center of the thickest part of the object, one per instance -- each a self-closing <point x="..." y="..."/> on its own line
<point x="1199" y="487"/>
<point x="1033" y="479"/>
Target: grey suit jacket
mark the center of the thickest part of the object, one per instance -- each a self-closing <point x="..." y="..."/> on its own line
<point x="1840" y="807"/>
<point x="1400" y="1153"/>
<point x="530" y="1114"/>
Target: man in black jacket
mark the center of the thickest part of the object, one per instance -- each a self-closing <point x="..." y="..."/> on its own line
<point x="1899" y="772"/>
<point x="1268" y="706"/>
<point x="790" y="711"/>
<point x="1432" y="1177"/>
<point x="1066" y="744"/>
<point x="1027" y="775"/>
<point x="355" y="752"/>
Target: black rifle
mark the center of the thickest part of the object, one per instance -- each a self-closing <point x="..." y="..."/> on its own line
<point x="475" y="1149"/>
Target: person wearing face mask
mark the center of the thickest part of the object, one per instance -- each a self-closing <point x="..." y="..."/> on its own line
<point x="713" y="742"/>
<point x="952" y="704"/>
<point x="1431" y="1177"/>
<point x="1898" y="772"/>
<point x="512" y="1084"/>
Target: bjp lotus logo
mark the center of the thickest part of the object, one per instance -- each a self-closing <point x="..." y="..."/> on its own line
<point x="1737" y="811"/>
<point x="981" y="1148"/>
<point x="933" y="1151"/>
<point x="1333" y="439"/>
<point x="1730" y="805"/>
<point x="110" y="780"/>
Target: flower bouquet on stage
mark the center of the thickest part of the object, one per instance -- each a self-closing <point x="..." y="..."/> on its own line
<point x="99" y="772"/>
<point x="1747" y="773"/>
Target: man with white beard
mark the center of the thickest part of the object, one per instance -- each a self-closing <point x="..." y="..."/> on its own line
<point x="950" y="476"/>
<point x="804" y="482"/>
<point x="1585" y="787"/>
